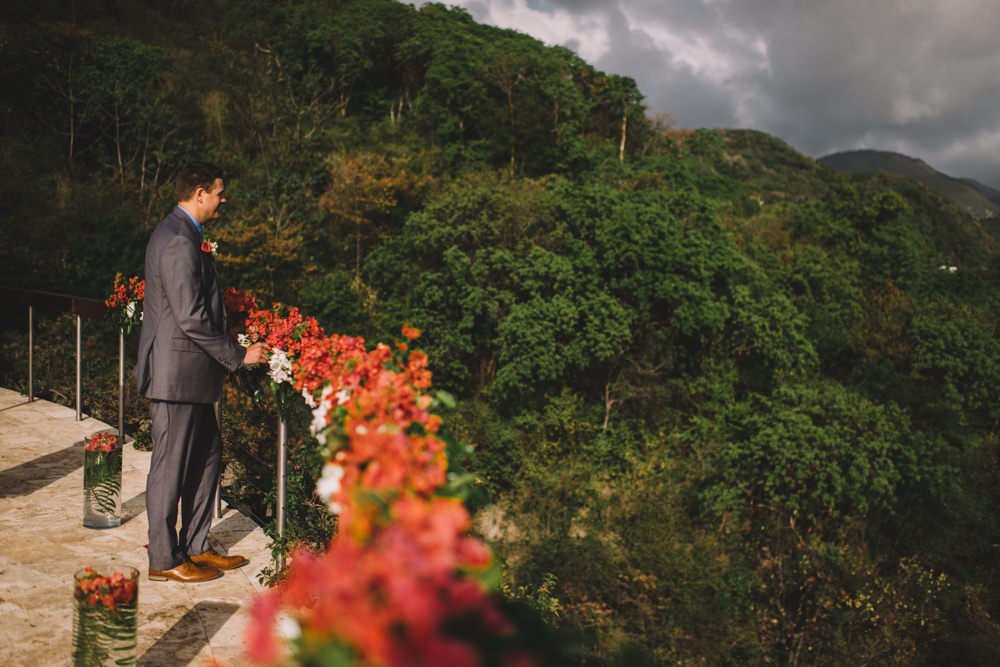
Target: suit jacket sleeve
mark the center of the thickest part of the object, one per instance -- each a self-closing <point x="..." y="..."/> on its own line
<point x="187" y="285"/>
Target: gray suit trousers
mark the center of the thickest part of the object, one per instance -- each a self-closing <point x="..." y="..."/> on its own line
<point x="184" y="469"/>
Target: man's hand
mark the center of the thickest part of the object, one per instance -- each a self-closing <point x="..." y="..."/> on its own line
<point x="256" y="354"/>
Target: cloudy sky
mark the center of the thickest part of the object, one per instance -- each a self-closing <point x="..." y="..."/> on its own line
<point x="919" y="77"/>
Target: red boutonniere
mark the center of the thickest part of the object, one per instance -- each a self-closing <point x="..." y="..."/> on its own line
<point x="209" y="246"/>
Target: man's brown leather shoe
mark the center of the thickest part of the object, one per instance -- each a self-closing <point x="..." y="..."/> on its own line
<point x="212" y="559"/>
<point x="187" y="572"/>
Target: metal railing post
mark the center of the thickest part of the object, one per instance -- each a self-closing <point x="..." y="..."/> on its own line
<point x="31" y="354"/>
<point x="79" y="368"/>
<point x="63" y="303"/>
<point x="217" y="505"/>
<point x="282" y="478"/>
<point x="121" y="385"/>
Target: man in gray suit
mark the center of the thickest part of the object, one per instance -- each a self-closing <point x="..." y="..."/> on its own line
<point x="184" y="354"/>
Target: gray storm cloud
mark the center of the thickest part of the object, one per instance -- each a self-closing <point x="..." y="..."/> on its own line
<point x="920" y="77"/>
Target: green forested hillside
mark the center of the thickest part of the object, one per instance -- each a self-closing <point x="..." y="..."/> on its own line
<point x="739" y="407"/>
<point x="979" y="200"/>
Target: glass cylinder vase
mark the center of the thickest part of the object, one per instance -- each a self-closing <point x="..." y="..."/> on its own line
<point x="102" y="481"/>
<point x="106" y="604"/>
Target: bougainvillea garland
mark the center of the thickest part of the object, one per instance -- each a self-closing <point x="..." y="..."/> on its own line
<point x="403" y="571"/>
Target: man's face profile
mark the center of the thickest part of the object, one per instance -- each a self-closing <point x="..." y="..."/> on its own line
<point x="211" y="201"/>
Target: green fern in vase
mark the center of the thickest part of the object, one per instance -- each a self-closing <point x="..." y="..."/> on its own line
<point x="102" y="477"/>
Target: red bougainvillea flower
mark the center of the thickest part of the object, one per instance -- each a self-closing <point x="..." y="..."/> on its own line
<point x="111" y="591"/>
<point x="238" y="308"/>
<point x="105" y="441"/>
<point x="126" y="292"/>
<point x="238" y="302"/>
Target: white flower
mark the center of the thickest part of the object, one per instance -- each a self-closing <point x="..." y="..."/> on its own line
<point x="318" y="426"/>
<point x="343" y="396"/>
<point x="288" y="628"/>
<point x="243" y="340"/>
<point x="279" y="366"/>
<point x="329" y="482"/>
<point x="308" y="398"/>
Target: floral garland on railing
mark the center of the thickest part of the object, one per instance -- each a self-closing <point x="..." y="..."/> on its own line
<point x="403" y="574"/>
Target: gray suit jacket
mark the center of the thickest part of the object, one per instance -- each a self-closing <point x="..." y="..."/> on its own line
<point x="184" y="351"/>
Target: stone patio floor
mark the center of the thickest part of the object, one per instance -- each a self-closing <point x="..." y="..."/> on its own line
<point x="43" y="542"/>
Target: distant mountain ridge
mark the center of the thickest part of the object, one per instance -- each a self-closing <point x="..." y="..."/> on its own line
<point x="982" y="201"/>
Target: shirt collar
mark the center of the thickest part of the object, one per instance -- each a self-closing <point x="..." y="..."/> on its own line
<point x="197" y="224"/>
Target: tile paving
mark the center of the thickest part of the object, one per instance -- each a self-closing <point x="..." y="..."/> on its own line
<point x="43" y="542"/>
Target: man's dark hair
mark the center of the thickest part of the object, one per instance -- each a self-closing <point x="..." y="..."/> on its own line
<point x="196" y="175"/>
